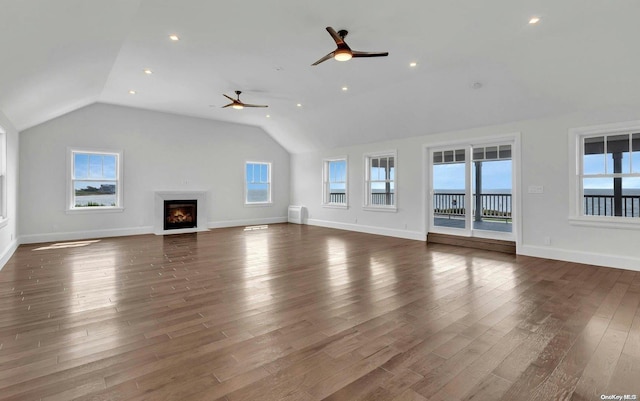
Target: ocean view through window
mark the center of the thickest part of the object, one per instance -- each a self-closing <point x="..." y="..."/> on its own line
<point x="610" y="175"/>
<point x="334" y="183"/>
<point x="380" y="181"/>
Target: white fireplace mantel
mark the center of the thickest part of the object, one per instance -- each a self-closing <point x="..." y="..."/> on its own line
<point x="161" y="196"/>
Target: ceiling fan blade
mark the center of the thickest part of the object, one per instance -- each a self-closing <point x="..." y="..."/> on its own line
<point x="230" y="104"/>
<point x="325" y="58"/>
<point x="369" y="54"/>
<point x="335" y="36"/>
<point x="229" y="97"/>
<point x="254" y="105"/>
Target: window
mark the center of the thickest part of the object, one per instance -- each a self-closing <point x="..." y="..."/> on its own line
<point x="607" y="174"/>
<point x="258" y="183"/>
<point x="472" y="189"/>
<point x="3" y="176"/>
<point x="95" y="180"/>
<point x="611" y="175"/>
<point x="380" y="186"/>
<point x="334" y="182"/>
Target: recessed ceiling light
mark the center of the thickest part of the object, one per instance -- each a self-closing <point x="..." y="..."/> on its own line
<point x="132" y="92"/>
<point x="476" y="85"/>
<point x="299" y="105"/>
<point x="174" y="37"/>
<point x="345" y="88"/>
<point x="413" y="64"/>
<point x="147" y="71"/>
<point x="268" y="115"/>
<point x="534" y="20"/>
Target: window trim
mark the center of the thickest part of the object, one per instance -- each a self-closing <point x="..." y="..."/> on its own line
<point x="576" y="191"/>
<point x="70" y="207"/>
<point x="269" y="202"/>
<point x="3" y="178"/>
<point x="326" y="182"/>
<point x="366" y="198"/>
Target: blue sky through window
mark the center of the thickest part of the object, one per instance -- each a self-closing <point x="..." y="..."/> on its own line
<point x="94" y="166"/>
<point x="451" y="176"/>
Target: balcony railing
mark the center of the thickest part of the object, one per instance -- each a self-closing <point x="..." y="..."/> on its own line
<point x="603" y="205"/>
<point x="497" y="206"/>
<point x="337" y="197"/>
<point x="377" y="198"/>
<point x="382" y="198"/>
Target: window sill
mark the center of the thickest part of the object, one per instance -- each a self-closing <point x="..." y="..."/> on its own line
<point x="388" y="209"/>
<point x="335" y="206"/>
<point x="628" y="223"/>
<point x="265" y="204"/>
<point x="89" y="210"/>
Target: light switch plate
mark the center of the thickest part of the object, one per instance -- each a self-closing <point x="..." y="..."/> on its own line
<point x="536" y="189"/>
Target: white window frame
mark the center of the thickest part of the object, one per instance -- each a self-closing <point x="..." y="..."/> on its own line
<point x="3" y="178"/>
<point x="269" y="182"/>
<point x="326" y="183"/>
<point x="367" y="205"/>
<point x="71" y="207"/>
<point x="576" y="190"/>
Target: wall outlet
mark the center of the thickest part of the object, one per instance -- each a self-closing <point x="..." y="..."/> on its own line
<point x="547" y="240"/>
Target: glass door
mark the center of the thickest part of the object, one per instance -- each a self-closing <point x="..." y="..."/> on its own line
<point x="472" y="190"/>
<point x="449" y="189"/>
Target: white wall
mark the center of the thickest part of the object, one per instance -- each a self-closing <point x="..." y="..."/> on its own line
<point x="544" y="161"/>
<point x="162" y="152"/>
<point x="8" y="232"/>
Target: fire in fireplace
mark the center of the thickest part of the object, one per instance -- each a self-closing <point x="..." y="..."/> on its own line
<point x="180" y="214"/>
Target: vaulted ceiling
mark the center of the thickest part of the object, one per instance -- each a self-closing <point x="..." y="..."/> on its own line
<point x="478" y="62"/>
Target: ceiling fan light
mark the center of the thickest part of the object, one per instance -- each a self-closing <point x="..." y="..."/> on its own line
<point x="237" y="106"/>
<point x="342" y="55"/>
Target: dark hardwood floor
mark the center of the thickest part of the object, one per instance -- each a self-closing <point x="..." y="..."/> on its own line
<point x="306" y="313"/>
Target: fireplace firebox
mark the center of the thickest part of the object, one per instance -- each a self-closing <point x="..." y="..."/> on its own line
<point x="180" y="214"/>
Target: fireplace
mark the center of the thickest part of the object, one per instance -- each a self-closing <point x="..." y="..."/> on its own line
<point x="181" y="213"/>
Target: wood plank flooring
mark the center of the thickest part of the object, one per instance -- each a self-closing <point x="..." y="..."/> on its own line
<point x="306" y="313"/>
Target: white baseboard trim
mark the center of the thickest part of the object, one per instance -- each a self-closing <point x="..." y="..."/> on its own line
<point x="589" y="258"/>
<point x="389" y="232"/>
<point x="80" y="235"/>
<point x="247" y="222"/>
<point x="8" y="252"/>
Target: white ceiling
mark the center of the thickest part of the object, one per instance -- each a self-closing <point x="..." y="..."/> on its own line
<point x="59" y="55"/>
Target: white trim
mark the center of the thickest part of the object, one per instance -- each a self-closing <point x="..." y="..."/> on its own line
<point x="247" y="222"/>
<point x="8" y="252"/>
<point x="4" y="222"/>
<point x="381" y="208"/>
<point x="119" y="153"/>
<point x="3" y="175"/>
<point x="335" y="206"/>
<point x="516" y="196"/>
<point x="80" y="235"/>
<point x="95" y="209"/>
<point x="389" y="232"/>
<point x="366" y="198"/>
<point x="325" y="180"/>
<point x="576" y="191"/>
<point x="589" y="258"/>
<point x="629" y="223"/>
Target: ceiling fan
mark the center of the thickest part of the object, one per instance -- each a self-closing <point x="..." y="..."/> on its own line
<point x="344" y="52"/>
<point x="238" y="104"/>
